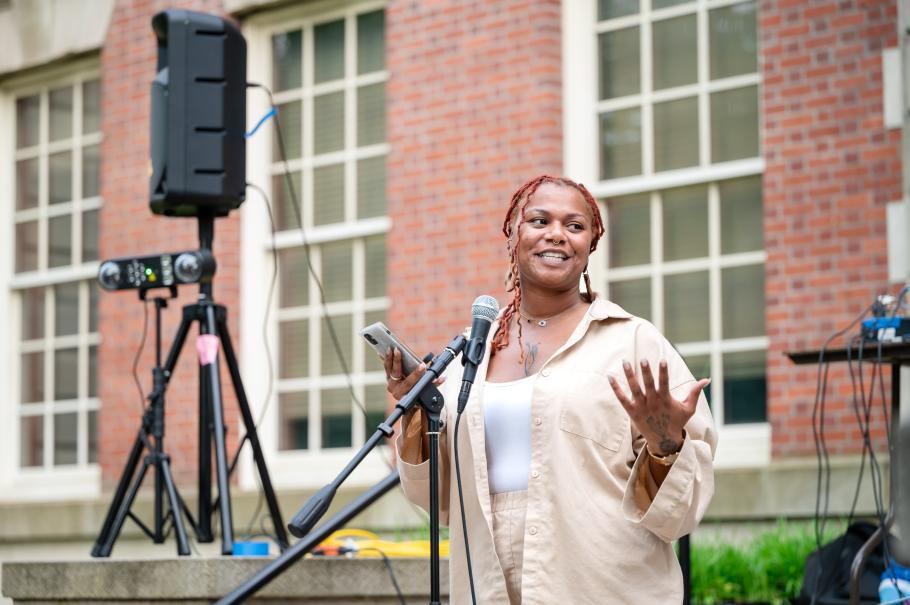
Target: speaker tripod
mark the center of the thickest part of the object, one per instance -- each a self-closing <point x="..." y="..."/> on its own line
<point x="213" y="333"/>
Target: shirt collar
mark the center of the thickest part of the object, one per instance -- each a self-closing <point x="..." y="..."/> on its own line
<point x="602" y="308"/>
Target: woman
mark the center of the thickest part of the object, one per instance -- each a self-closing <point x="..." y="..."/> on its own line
<point x="587" y="446"/>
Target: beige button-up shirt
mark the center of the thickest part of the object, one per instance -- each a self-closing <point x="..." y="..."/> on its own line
<point x="598" y="530"/>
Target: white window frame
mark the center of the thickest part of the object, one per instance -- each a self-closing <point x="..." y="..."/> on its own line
<point x="79" y="481"/>
<point x="309" y="468"/>
<point x="740" y="445"/>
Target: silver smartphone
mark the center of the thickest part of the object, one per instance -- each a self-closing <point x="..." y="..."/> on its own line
<point x="383" y="341"/>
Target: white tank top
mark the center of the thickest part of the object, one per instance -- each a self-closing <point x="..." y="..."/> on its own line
<point x="507" y="427"/>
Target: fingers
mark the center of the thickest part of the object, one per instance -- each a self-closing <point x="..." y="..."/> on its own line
<point x="617" y="390"/>
<point x="664" y="379"/>
<point x="632" y="380"/>
<point x="692" y="400"/>
<point x="400" y="388"/>
<point x="648" y="378"/>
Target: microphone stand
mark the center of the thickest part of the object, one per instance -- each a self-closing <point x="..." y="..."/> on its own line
<point x="430" y="399"/>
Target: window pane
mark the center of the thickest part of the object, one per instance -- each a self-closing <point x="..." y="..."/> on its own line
<point x="32" y="377"/>
<point x="93" y="371"/>
<point x="371" y="187"/>
<point x="291" y="119"/>
<point x="26" y="246"/>
<point x="32" y="313"/>
<point x="337" y="261"/>
<point x="328" y="122"/>
<point x="686" y="307"/>
<point x="620" y="143"/>
<point x="629" y="230"/>
<point x="61" y="113"/>
<point x="328" y="194"/>
<point x="91" y="106"/>
<point x="743" y="301"/>
<point x="608" y="9"/>
<point x="734" y="124"/>
<point x="685" y="222"/>
<point x="92" y="437"/>
<point x="700" y="366"/>
<point x="741" y="215"/>
<point x="374" y="253"/>
<point x="287" y="60"/>
<point x="293" y="337"/>
<point x="733" y="44"/>
<point x="294" y="409"/>
<point x="656" y="4"/>
<point x="745" y="387"/>
<point x="294" y="278"/>
<point x="60" y="241"/>
<point x="328" y="42"/>
<point x="283" y="202"/>
<point x="370" y="42"/>
<point x="676" y="134"/>
<point x="90" y="235"/>
<point x="26" y="184"/>
<point x="31" y="440"/>
<point x="619" y="63"/>
<point x="375" y="403"/>
<point x="93" y="306"/>
<point x="66" y="374"/>
<point x="675" y="47"/>
<point x="336" y="418"/>
<point x="66" y="309"/>
<point x="66" y="430"/>
<point x="633" y="295"/>
<point x="371" y="114"/>
<point x="60" y="184"/>
<point x="372" y="361"/>
<point x="28" y="111"/>
<point x="330" y="362"/>
<point x="91" y="169"/>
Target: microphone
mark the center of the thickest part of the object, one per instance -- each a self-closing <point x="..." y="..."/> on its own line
<point x="484" y="310"/>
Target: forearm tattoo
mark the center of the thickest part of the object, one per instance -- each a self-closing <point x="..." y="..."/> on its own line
<point x="660" y="425"/>
<point x="530" y="358"/>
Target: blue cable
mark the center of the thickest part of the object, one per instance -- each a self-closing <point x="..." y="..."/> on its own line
<point x="272" y="112"/>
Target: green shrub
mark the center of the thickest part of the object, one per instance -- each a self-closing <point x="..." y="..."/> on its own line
<point x="765" y="569"/>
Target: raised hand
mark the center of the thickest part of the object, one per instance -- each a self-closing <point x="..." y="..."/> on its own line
<point x="655" y="413"/>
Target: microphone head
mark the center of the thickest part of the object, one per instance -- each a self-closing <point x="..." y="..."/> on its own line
<point x="485" y="307"/>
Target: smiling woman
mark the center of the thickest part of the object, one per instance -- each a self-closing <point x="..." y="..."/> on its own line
<point x="591" y="443"/>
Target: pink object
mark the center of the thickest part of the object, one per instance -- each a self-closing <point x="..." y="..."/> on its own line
<point x="207" y="348"/>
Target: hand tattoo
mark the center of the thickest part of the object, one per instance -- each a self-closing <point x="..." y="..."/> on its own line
<point x="660" y="426"/>
<point x="530" y="358"/>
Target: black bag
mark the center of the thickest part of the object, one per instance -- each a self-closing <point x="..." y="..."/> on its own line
<point x="836" y="558"/>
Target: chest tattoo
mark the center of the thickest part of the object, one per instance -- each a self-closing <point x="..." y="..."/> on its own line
<point x="530" y="357"/>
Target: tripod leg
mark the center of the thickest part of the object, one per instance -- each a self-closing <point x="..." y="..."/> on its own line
<point x="252" y="435"/>
<point x="205" y="458"/>
<point x="104" y="540"/>
<point x="164" y="467"/>
<point x="104" y="550"/>
<point x="218" y="430"/>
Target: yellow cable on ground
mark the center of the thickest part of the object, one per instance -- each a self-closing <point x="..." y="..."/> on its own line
<point x="362" y="543"/>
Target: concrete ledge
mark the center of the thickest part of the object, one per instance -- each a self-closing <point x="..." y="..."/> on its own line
<point x="310" y="581"/>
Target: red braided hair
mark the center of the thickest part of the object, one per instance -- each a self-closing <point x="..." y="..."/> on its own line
<point x="511" y="227"/>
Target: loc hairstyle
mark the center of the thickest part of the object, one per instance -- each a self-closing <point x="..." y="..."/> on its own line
<point x="511" y="227"/>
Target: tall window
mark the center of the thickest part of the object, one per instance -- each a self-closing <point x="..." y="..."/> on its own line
<point x="329" y="81"/>
<point x="57" y="136"/>
<point x="679" y="172"/>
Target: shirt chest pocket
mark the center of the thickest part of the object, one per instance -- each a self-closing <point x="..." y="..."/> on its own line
<point x="590" y="410"/>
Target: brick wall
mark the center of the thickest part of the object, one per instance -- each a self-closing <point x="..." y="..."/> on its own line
<point x="831" y="167"/>
<point x="128" y="228"/>
<point x="474" y="110"/>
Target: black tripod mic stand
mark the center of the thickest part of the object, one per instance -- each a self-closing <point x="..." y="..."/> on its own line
<point x="430" y="399"/>
<point x="213" y="334"/>
<point x="151" y="439"/>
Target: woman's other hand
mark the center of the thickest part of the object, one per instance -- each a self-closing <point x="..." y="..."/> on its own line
<point x="656" y="414"/>
<point x="396" y="382"/>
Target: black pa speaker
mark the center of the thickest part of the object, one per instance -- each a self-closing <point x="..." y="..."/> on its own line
<point x="198" y="115"/>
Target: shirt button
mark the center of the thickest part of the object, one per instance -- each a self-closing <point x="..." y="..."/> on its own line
<point x="532" y="530"/>
<point x="545" y="372"/>
<point x="535" y="474"/>
<point x="538" y="421"/>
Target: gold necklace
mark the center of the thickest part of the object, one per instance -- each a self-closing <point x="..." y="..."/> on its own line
<point x="542" y="322"/>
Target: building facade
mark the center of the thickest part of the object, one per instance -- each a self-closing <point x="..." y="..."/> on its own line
<point x="743" y="152"/>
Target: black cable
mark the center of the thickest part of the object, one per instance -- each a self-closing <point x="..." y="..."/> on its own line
<point x="464" y="523"/>
<point x="145" y="327"/>
<point x="388" y="566"/>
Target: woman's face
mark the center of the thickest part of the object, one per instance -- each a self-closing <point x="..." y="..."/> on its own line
<point x="555" y="238"/>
